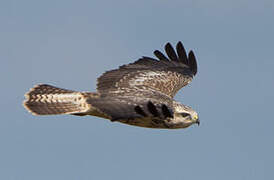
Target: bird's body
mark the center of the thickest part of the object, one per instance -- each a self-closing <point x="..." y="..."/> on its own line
<point x="139" y="94"/>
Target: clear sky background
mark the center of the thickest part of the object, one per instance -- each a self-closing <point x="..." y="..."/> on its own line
<point x="70" y="43"/>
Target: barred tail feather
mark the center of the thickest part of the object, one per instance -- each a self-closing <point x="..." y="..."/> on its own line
<point x="45" y="99"/>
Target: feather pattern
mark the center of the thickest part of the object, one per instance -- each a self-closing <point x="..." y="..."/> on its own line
<point x="45" y="99"/>
<point x="166" y="75"/>
<point x="140" y="93"/>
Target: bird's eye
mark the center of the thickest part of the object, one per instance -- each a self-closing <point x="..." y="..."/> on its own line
<point x="184" y="114"/>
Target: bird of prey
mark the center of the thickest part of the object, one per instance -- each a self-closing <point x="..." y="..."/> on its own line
<point x="139" y="94"/>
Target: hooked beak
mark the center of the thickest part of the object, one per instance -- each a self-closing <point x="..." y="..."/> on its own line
<point x="198" y="122"/>
<point x="197" y="119"/>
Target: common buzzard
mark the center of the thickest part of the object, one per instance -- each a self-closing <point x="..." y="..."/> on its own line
<point x="140" y="93"/>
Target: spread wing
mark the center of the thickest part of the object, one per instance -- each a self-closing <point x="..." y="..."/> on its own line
<point x="167" y="75"/>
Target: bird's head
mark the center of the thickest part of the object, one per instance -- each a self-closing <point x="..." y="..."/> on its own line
<point x="184" y="116"/>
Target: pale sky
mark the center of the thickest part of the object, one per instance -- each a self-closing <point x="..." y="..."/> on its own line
<point x="70" y="43"/>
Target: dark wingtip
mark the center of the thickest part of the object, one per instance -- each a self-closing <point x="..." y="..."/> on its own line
<point x="152" y="109"/>
<point x="181" y="56"/>
<point x="166" y="112"/>
<point x="140" y="111"/>
<point x="160" y="55"/>
<point x="192" y="62"/>
<point x="170" y="52"/>
<point x="181" y="53"/>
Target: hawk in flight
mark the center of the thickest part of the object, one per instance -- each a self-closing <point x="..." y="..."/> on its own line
<point x="139" y="94"/>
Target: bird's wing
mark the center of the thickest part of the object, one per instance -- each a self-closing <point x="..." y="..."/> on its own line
<point x="132" y="107"/>
<point x="166" y="75"/>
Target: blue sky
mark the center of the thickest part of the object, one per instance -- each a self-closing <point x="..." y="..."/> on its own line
<point x="70" y="43"/>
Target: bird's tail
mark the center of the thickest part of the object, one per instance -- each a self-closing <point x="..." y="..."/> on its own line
<point x="45" y="99"/>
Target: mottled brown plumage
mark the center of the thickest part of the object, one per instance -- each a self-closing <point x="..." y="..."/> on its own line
<point x="140" y="93"/>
